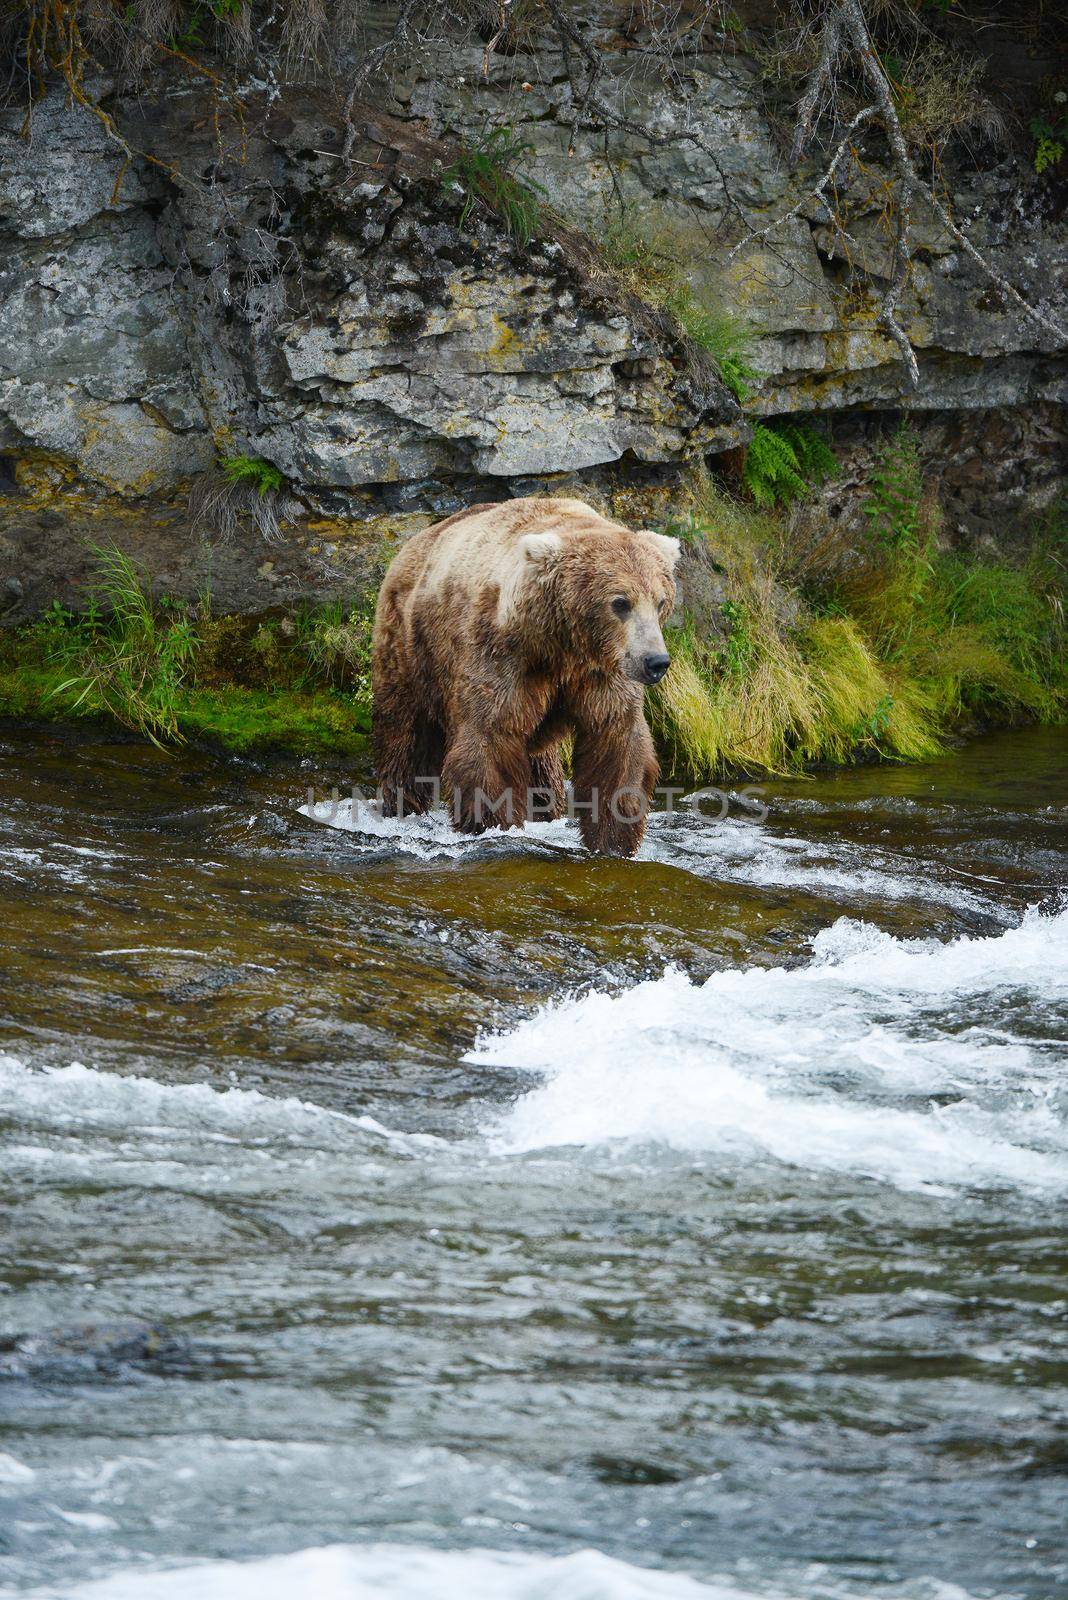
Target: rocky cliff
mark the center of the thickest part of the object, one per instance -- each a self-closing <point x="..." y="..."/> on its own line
<point x="237" y="288"/>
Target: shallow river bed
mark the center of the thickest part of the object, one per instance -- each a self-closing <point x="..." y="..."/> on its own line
<point x="388" y="1214"/>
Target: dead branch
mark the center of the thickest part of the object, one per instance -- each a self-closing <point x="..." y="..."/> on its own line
<point x="373" y="63"/>
<point x="817" y="83"/>
<point x="817" y="191"/>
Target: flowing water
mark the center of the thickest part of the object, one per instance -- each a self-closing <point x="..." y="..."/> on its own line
<point x="388" y="1214"/>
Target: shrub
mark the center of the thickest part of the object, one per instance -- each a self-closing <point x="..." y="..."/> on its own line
<point x="338" y="645"/>
<point x="893" y="506"/>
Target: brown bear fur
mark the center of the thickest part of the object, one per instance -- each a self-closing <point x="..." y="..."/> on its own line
<point x="498" y="634"/>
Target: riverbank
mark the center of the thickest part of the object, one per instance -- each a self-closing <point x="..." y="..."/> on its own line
<point x="798" y="641"/>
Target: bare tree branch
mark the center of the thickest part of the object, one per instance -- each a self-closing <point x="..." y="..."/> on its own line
<point x="830" y="44"/>
<point x="817" y="192"/>
<point x="845" y="28"/>
<point x="908" y="182"/>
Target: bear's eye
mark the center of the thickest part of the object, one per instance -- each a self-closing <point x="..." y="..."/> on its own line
<point x="622" y="606"/>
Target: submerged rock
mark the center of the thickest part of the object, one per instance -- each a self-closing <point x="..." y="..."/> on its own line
<point x="91" y="1349"/>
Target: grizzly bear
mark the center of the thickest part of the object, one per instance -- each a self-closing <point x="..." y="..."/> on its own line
<point x="503" y="630"/>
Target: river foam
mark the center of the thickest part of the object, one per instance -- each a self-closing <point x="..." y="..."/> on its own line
<point x="398" y="1572"/>
<point x="912" y="1062"/>
<point x="729" y="849"/>
<point x="902" y="1061"/>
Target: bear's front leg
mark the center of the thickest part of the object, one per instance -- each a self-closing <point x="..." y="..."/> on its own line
<point x="614" y="774"/>
<point x="488" y="777"/>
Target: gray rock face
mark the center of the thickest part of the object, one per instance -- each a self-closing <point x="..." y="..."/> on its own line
<point x="395" y="360"/>
<point x="815" y="338"/>
<point x="353" y="338"/>
<point x="464" y="354"/>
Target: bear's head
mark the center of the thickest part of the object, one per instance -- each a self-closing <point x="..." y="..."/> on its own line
<point x="613" y="589"/>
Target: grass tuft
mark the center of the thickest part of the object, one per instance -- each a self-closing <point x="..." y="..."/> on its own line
<point x="894" y="647"/>
<point x="127" y="657"/>
<point x="648" y="264"/>
<point x="487" y="171"/>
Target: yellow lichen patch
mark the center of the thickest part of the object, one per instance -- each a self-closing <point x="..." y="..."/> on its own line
<point x="650" y="506"/>
<point x="41" y="475"/>
<point x="505" y="343"/>
<point x="387" y="528"/>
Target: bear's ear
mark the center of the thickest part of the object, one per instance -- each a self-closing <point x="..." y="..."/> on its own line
<point x="669" y="548"/>
<point x="540" y="547"/>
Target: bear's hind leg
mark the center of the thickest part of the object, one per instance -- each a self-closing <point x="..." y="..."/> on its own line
<point x="547" y="784"/>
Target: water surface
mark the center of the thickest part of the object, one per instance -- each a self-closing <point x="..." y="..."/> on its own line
<point x="516" y="1224"/>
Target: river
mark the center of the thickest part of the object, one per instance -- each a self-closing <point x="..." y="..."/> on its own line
<point x="388" y="1214"/>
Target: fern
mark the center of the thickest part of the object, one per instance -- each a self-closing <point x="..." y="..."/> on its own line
<point x="893" y="507"/>
<point x="487" y="171"/>
<point x="815" y="458"/>
<point x="783" y="462"/>
<point x="261" y="475"/>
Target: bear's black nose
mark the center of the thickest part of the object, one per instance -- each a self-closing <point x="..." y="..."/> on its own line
<point x="655" y="667"/>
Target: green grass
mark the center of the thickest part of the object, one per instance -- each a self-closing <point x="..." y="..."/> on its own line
<point x="647" y="260"/>
<point x="168" y="672"/>
<point x="916" y="645"/>
<point x="126" y="658"/>
<point x="487" y="170"/>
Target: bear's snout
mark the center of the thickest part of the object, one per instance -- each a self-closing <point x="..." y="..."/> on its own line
<point x="654" y="667"/>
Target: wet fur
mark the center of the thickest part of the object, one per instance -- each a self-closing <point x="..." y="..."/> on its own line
<point x="491" y="647"/>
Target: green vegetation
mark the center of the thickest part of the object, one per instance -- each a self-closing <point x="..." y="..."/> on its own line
<point x="1049" y="130"/>
<point x="784" y="461"/>
<point x="487" y="171"/>
<point x="169" y="671"/>
<point x="258" y="474"/>
<point x="894" y="505"/>
<point x="131" y="666"/>
<point x="649" y="264"/>
<point x="189" y="34"/>
<point x="827" y="645"/>
<point x="896" y="644"/>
